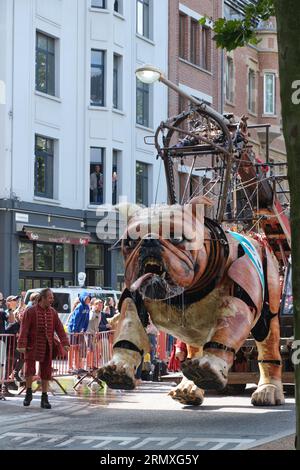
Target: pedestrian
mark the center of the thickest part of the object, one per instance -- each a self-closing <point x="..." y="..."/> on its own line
<point x="79" y="320"/>
<point x="109" y="307"/>
<point x="13" y="329"/>
<point x="3" y="314"/>
<point x="33" y="299"/>
<point x="3" y="318"/>
<point x="77" y="325"/>
<point x="152" y="333"/>
<point x="6" y="318"/>
<point x="11" y="305"/>
<point x="104" y="324"/>
<point x="93" y="330"/>
<point x="95" y="316"/>
<point x="36" y="341"/>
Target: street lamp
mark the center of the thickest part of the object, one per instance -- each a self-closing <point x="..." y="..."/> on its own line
<point x="150" y="74"/>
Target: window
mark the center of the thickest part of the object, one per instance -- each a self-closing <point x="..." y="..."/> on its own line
<point x="98" y="4"/>
<point x="43" y="171"/>
<point x="183" y="106"/>
<point x="96" y="175"/>
<point x="97" y="77"/>
<point x="115" y="176"/>
<point x="229" y="79"/>
<point x="94" y="255"/>
<point x="118" y="6"/>
<point x="142" y="103"/>
<point x="143" y="17"/>
<point x="44" y="257"/>
<point x="195" y="42"/>
<point x="45" y="64"/>
<point x="269" y="93"/>
<point x="117" y="82"/>
<point x="25" y="256"/>
<point x="251" y="91"/>
<point x="45" y="264"/>
<point x="63" y="258"/>
<point x="205" y="51"/>
<point x="142" y="189"/>
<point x="182" y="36"/>
<point x="94" y="261"/>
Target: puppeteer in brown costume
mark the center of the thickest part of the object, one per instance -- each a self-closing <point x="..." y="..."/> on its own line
<point x="36" y="341"/>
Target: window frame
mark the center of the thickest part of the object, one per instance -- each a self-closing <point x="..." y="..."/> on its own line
<point x="46" y="90"/>
<point x="182" y="35"/>
<point x="143" y="90"/>
<point x="49" y="168"/>
<point x="251" y="89"/>
<point x="98" y="6"/>
<point x="273" y="112"/>
<point x="205" y="48"/>
<point x="102" y="68"/>
<point x="145" y="31"/>
<point x="120" y="9"/>
<point x="195" y="42"/>
<point x="229" y="79"/>
<point x="66" y="277"/>
<point x="116" y="167"/>
<point x="144" y="179"/>
<point x="101" y="163"/>
<point x="117" y="82"/>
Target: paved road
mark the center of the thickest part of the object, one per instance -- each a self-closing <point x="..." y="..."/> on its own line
<point x="145" y="419"/>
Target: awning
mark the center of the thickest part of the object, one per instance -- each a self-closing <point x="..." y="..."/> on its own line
<point x="55" y="235"/>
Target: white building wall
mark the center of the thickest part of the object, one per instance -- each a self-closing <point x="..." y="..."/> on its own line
<point x="68" y="117"/>
<point x="6" y="41"/>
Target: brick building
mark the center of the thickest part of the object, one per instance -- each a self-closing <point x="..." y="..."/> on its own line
<point x="195" y="64"/>
<point x="252" y="87"/>
<point x="244" y="81"/>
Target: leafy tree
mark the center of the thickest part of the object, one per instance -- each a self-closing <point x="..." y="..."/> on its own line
<point x="230" y="34"/>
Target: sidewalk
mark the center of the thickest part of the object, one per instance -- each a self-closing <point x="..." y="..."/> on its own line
<point x="285" y="443"/>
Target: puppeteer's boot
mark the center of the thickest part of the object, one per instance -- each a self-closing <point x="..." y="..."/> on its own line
<point x="44" y="401"/>
<point x="28" y="397"/>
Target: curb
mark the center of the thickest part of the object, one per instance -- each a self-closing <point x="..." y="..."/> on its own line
<point x="267" y="440"/>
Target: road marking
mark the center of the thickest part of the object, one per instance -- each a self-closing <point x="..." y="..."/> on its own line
<point x="252" y="410"/>
<point x="160" y="441"/>
<point x="98" y="442"/>
<point x="203" y="441"/>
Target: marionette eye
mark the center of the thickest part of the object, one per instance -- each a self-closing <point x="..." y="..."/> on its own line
<point x="176" y="239"/>
<point x="130" y="244"/>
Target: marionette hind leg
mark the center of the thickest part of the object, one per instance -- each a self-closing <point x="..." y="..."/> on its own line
<point x="186" y="392"/>
<point x="232" y="327"/>
<point x="269" y="391"/>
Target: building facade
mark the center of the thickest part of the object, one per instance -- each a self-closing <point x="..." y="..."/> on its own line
<point x="241" y="82"/>
<point x="252" y="88"/>
<point x="195" y="65"/>
<point x="73" y="119"/>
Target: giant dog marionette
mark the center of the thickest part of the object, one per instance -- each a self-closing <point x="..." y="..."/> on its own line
<point x="210" y="295"/>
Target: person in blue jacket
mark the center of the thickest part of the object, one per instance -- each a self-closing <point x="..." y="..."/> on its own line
<point x="79" y="320"/>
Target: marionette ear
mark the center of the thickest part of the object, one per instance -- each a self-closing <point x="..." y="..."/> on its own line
<point x="127" y="210"/>
<point x="206" y="201"/>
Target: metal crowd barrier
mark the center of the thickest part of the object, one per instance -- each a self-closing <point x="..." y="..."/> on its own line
<point x="8" y="358"/>
<point x="88" y="352"/>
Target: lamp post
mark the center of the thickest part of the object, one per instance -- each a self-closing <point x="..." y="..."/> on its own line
<point x="150" y="74"/>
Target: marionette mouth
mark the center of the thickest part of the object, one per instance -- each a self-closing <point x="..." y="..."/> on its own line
<point x="152" y="266"/>
<point x="154" y="282"/>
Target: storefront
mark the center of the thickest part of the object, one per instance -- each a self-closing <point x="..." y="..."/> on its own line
<point x="48" y="246"/>
<point x="47" y="257"/>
